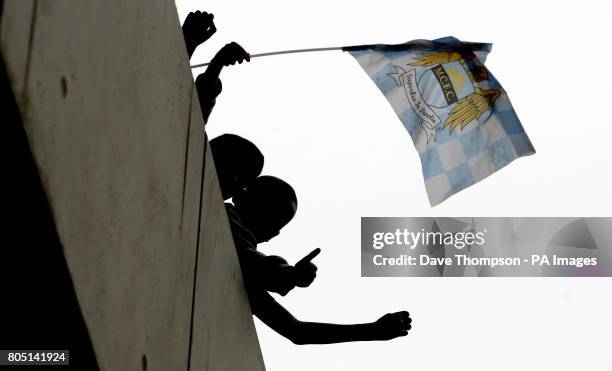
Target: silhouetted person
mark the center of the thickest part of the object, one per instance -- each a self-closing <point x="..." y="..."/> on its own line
<point x="198" y="27"/>
<point x="208" y="83"/>
<point x="240" y="159"/>
<point x="259" y="212"/>
<point x="238" y="162"/>
<point x="271" y="273"/>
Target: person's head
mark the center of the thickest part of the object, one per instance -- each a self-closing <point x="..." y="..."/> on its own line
<point x="265" y="206"/>
<point x="238" y="161"/>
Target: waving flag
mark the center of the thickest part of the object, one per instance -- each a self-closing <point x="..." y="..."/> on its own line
<point x="458" y="115"/>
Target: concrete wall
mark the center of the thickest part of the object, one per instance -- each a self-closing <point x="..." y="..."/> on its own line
<point x="111" y="115"/>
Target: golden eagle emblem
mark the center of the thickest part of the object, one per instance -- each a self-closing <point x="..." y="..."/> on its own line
<point x="441" y="80"/>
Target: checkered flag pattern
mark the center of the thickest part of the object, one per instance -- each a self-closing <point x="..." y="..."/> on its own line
<point x="459" y="117"/>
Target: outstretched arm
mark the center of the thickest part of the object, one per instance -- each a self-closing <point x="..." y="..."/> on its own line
<point x="278" y="318"/>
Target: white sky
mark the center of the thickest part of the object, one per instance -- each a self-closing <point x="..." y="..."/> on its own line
<point x="325" y="128"/>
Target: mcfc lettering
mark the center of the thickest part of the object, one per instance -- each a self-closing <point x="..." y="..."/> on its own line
<point x="445" y="83"/>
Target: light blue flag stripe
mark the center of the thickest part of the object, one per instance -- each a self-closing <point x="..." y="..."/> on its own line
<point x="458" y="115"/>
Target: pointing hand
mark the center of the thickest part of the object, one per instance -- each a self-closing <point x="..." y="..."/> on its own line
<point x="305" y="270"/>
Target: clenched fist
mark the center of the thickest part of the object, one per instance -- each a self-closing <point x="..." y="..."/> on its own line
<point x="198" y="27"/>
<point x="392" y="325"/>
<point x="230" y="54"/>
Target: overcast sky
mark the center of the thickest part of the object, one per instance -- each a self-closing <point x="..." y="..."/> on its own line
<point x="325" y="128"/>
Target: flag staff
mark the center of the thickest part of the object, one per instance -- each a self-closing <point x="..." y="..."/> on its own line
<point x="281" y="52"/>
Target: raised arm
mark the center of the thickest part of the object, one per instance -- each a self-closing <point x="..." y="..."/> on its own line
<point x="198" y="27"/>
<point x="208" y="83"/>
<point x="278" y="318"/>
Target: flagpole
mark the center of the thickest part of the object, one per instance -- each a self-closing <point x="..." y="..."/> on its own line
<point x="281" y="52"/>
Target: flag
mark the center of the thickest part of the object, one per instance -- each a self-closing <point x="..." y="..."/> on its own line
<point x="458" y="115"/>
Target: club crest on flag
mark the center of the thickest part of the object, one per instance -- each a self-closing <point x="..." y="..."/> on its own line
<point x="458" y="115"/>
<point x="440" y="83"/>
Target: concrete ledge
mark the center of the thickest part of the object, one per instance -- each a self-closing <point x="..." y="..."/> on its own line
<point x="114" y="126"/>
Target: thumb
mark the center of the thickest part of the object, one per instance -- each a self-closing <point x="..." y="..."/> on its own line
<point x="310" y="256"/>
